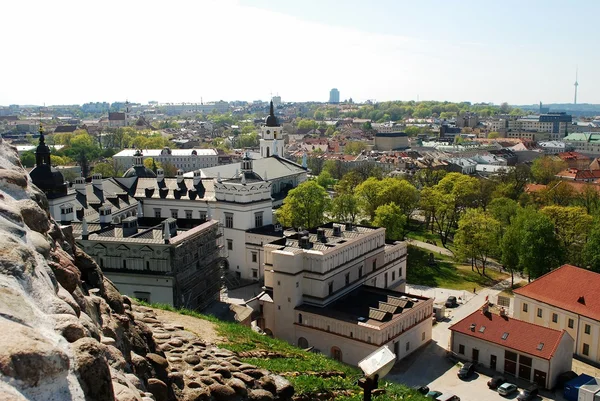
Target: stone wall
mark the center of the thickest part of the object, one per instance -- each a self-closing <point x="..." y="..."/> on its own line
<point x="68" y="334"/>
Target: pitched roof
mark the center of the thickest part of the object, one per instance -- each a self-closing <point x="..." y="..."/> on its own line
<point x="522" y="336"/>
<point x="570" y="288"/>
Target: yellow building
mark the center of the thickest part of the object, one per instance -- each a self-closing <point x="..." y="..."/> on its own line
<point x="565" y="299"/>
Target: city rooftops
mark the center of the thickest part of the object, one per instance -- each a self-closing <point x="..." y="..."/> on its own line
<point x="582" y="137"/>
<point x="170" y="152"/>
<point x="367" y="306"/>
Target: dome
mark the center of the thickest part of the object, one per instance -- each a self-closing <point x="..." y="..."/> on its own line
<point x="49" y="180"/>
<point x="140" y="172"/>
<point x="271" y="120"/>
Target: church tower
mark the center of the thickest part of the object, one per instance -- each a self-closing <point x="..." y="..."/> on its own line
<point x="272" y="142"/>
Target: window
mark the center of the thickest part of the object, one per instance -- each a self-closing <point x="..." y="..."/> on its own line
<point x="539" y="312"/>
<point x="331" y="288"/>
<point x="399" y="272"/>
<point x="300" y="318"/>
<point x="124" y="264"/>
<point x="174" y="213"/>
<point x="188" y="214"/>
<point x="254" y="273"/>
<point x="571" y="323"/>
<point x="229" y="220"/>
<point x="297" y="284"/>
<point x="393" y="276"/>
<point x="461" y="349"/>
<point x="554" y="318"/>
<point x="375" y="264"/>
<point x="525" y="308"/>
<point x="359" y="272"/>
<point x="142" y="295"/>
<point x="254" y="257"/>
<point x="258" y="219"/>
<point x="407" y="345"/>
<point x="230" y="244"/>
<point x="347" y="278"/>
<point x="157" y="213"/>
<point x="586" y="349"/>
<point x="278" y="282"/>
<point x="202" y="216"/>
<point x="289" y="299"/>
<point x="423" y="336"/>
<point x="588" y="329"/>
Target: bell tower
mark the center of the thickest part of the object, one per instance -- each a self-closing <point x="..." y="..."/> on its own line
<point x="271" y="142"/>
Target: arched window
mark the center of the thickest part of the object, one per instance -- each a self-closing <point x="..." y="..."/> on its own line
<point x="336" y="354"/>
<point x="302" y="343"/>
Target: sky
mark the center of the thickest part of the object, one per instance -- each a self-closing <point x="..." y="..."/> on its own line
<point x="520" y="52"/>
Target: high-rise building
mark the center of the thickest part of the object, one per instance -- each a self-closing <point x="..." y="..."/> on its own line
<point x="276" y="101"/>
<point x="334" y="96"/>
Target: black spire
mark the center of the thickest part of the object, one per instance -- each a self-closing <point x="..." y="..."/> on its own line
<point x="42" y="152"/>
<point x="271" y="120"/>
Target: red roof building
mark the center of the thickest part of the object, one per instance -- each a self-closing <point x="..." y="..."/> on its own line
<point x="511" y="346"/>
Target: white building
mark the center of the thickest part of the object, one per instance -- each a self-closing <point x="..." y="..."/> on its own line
<point x="272" y="140"/>
<point x="182" y="159"/>
<point x="341" y="290"/>
<point x="512" y="347"/>
<point x="565" y="299"/>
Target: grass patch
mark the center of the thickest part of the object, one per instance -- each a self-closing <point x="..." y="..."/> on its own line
<point x="242" y="338"/>
<point x="509" y="292"/>
<point x="446" y="273"/>
<point x="419" y="233"/>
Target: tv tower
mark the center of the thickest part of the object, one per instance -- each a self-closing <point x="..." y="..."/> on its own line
<point x="576" y="85"/>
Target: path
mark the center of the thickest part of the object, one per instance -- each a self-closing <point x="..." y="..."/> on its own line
<point x="430" y="247"/>
<point x="202" y="328"/>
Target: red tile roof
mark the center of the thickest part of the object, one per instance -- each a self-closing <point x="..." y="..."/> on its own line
<point x="522" y="336"/>
<point x="570" y="288"/>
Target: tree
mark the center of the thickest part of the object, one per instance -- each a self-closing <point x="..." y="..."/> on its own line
<point x="106" y="169"/>
<point x="304" y="206"/>
<point x="306" y="124"/>
<point x="345" y="207"/>
<point x="169" y="169"/>
<point x="571" y="226"/>
<point x="477" y="237"/>
<point x="428" y="177"/>
<point x="368" y="195"/>
<point x="84" y="149"/>
<point x="367" y="126"/>
<point x="509" y="250"/>
<point x="412" y="130"/>
<point x="591" y="250"/>
<point x="400" y="192"/>
<point x="391" y="217"/>
<point x="28" y="159"/>
<point x="503" y="210"/>
<point x="545" y="168"/>
<point x="354" y="147"/>
<point x="325" y="180"/>
<point x="349" y="182"/>
<point x="589" y="199"/>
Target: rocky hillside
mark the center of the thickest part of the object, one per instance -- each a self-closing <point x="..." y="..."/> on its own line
<point x="67" y="333"/>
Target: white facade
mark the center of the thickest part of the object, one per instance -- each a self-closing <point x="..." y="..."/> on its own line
<point x="184" y="159"/>
<point x="272" y="142"/>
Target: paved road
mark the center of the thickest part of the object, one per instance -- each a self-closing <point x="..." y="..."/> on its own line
<point x="430" y="247"/>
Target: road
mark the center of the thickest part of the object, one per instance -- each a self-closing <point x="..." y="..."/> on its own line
<point x="430" y="247"/>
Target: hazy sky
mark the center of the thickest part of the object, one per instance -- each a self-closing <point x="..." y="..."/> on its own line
<point x="65" y="52"/>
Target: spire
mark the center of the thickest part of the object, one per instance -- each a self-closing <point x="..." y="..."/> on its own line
<point x="140" y="210"/>
<point x="167" y="232"/>
<point x="576" y="85"/>
<point x="42" y="152"/>
<point x="271" y="120"/>
<point x="271" y="109"/>
<point x="42" y="139"/>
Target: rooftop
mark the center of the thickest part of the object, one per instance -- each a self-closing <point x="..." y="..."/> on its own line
<point x="367" y="306"/>
<point x="570" y="288"/>
<point x="172" y="152"/>
<point x="511" y="333"/>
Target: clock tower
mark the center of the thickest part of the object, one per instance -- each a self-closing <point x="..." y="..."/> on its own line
<point x="272" y="142"/>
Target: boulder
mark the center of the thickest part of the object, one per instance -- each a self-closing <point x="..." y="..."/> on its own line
<point x="158" y="388"/>
<point x="27" y="356"/>
<point x="284" y="388"/>
<point x="113" y="297"/>
<point x="69" y="327"/>
<point x="34" y="216"/>
<point x="197" y="394"/>
<point x="221" y="392"/>
<point x="124" y="393"/>
<point x="260" y="395"/>
<point x="93" y="371"/>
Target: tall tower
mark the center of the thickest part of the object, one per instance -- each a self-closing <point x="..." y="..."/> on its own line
<point x="272" y="142"/>
<point x="576" y="85"/>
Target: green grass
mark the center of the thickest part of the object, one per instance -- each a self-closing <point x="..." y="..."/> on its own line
<point x="419" y="233"/>
<point x="446" y="273"/>
<point x="242" y="338"/>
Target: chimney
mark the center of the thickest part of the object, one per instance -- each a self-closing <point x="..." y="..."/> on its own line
<point x="149" y="191"/>
<point x="80" y="185"/>
<point x="105" y="212"/>
<point x="166" y="232"/>
<point x="140" y="210"/>
<point x="321" y="235"/>
<point x="130" y="226"/>
<point x="208" y="212"/>
<point x="337" y="230"/>
<point x="197" y="178"/>
<point x="84" y="229"/>
<point x="160" y="175"/>
<point x="304" y="242"/>
<point x="472" y="327"/>
<point x="97" y="180"/>
<point x="179" y="176"/>
<point x="349" y="226"/>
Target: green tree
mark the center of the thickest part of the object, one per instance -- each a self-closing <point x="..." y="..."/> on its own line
<point x="345" y="207"/>
<point x="306" y="124"/>
<point x="325" y="180"/>
<point x="493" y="135"/>
<point x="591" y="249"/>
<point x="368" y="195"/>
<point x="354" y="147"/>
<point x="400" y="192"/>
<point x="106" y="169"/>
<point x="509" y="250"/>
<point x="428" y="177"/>
<point x="571" y="226"/>
<point x="477" y="237"/>
<point x="28" y="159"/>
<point x="169" y="169"/>
<point x="349" y="182"/>
<point x="544" y="169"/>
<point x="391" y="217"/>
<point x="412" y="130"/>
<point x="503" y="210"/>
<point x="304" y="206"/>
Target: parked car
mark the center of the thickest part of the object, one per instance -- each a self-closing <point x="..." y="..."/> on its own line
<point x="507" y="389"/>
<point x="528" y="394"/>
<point x="466" y="370"/>
<point x="496" y="382"/>
<point x="451" y="302"/>
<point x="422" y="389"/>
<point x="433" y="394"/>
<point x="448" y="397"/>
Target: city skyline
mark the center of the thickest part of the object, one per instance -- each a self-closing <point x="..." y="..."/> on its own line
<point x="248" y="49"/>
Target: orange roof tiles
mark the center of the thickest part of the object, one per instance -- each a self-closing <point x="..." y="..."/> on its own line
<point x="570" y="288"/>
<point x="522" y="336"/>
